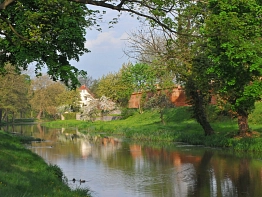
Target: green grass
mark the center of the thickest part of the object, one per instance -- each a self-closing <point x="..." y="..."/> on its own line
<point x="256" y="117"/>
<point x="25" y="174"/>
<point x="179" y="127"/>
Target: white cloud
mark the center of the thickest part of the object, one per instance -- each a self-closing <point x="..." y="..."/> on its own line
<point x="106" y="41"/>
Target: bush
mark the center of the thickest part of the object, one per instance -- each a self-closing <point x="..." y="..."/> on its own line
<point x="70" y="116"/>
<point x="125" y="113"/>
<point x="256" y="116"/>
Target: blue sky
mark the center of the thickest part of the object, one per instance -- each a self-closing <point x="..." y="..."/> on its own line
<point x="107" y="46"/>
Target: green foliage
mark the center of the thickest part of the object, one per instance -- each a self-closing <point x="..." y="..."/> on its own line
<point x="50" y="33"/>
<point x="140" y="77"/>
<point x="14" y="92"/>
<point x="256" y="116"/>
<point x="215" y="114"/>
<point x="234" y="45"/>
<point x="47" y="96"/>
<point x="126" y="112"/>
<point x="70" y="116"/>
<point x="248" y="144"/>
<point x="114" y="87"/>
<point x="160" y="100"/>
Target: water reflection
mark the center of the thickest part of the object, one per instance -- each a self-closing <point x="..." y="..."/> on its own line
<point x="112" y="167"/>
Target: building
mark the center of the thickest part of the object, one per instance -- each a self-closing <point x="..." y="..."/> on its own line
<point x="85" y="96"/>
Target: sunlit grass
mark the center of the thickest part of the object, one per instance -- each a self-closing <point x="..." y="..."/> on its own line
<point x="179" y="127"/>
<point x="23" y="173"/>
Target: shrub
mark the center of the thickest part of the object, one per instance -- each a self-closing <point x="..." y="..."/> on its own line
<point x="125" y="113"/>
<point x="256" y="116"/>
<point x="70" y="116"/>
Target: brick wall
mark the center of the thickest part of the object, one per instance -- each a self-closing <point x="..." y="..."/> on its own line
<point x="177" y="96"/>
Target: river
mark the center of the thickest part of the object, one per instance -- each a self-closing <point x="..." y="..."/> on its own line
<point x="113" y="167"/>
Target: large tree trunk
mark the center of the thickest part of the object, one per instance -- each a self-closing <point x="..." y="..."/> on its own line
<point x="243" y="127"/>
<point x="206" y="126"/>
<point x="198" y="102"/>
<point x="199" y="111"/>
<point x="202" y="120"/>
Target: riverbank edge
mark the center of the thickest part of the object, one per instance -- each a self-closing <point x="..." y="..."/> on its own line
<point x="24" y="173"/>
<point x="179" y="127"/>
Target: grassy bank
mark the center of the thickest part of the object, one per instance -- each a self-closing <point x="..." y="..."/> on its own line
<point x="179" y="127"/>
<point x="25" y="174"/>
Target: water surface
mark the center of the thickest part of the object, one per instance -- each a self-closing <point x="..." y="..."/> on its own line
<point x="118" y="168"/>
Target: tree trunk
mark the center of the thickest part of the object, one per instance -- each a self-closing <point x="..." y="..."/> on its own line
<point x="243" y="127"/>
<point x="206" y="126"/>
<point x="1" y="114"/>
<point x="13" y="117"/>
<point x="162" y="117"/>
<point x="4" y="115"/>
<point x="7" y="118"/>
<point x="39" y="115"/>
<point x="202" y="120"/>
<point x="199" y="112"/>
<point x="198" y="102"/>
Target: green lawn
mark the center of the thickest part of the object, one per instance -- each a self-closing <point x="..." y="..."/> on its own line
<point x="179" y="127"/>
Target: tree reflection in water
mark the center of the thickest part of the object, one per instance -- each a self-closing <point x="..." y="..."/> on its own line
<point x="113" y="167"/>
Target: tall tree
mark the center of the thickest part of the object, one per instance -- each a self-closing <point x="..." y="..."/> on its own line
<point x="197" y="82"/>
<point x="233" y="29"/>
<point x="178" y="57"/>
<point x="48" y="33"/>
<point x="89" y="82"/>
<point x="14" y="92"/>
<point x="198" y="88"/>
<point x="46" y="95"/>
<point x="114" y="87"/>
<point x="141" y="76"/>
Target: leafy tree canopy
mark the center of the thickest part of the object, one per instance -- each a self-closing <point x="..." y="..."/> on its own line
<point x="52" y="33"/>
<point x="115" y="87"/>
<point x="48" y="33"/>
<point x="233" y="29"/>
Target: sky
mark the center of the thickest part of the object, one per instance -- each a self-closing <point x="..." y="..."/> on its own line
<point x="107" y="46"/>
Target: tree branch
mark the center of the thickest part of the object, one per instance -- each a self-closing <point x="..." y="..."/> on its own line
<point x="121" y="6"/>
<point x="13" y="29"/>
<point x="5" y="4"/>
<point x="101" y="4"/>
